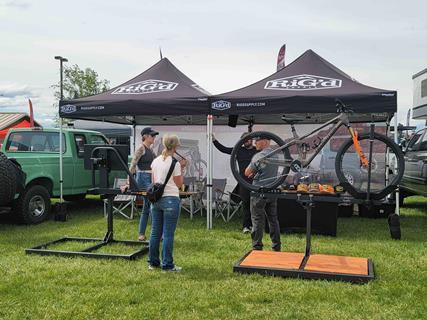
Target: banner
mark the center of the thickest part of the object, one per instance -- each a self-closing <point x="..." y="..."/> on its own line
<point x="281" y="58"/>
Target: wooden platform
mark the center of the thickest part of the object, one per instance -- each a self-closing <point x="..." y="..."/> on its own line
<point x="316" y="266"/>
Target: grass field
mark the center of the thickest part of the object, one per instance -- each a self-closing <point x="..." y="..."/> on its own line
<point x="37" y="287"/>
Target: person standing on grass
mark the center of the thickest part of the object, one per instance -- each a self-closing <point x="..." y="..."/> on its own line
<point x="165" y="212"/>
<point x="244" y="156"/>
<point x="141" y="166"/>
<point x="260" y="207"/>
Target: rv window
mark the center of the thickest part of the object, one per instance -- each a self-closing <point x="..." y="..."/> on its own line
<point x="424" y="88"/>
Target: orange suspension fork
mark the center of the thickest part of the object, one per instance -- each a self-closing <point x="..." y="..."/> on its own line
<point x="363" y="160"/>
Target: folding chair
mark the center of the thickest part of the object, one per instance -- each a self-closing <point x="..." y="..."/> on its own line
<point x="123" y="201"/>
<point x="234" y="203"/>
<point x="218" y="191"/>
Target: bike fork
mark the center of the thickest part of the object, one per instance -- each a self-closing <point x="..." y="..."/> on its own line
<point x="354" y="135"/>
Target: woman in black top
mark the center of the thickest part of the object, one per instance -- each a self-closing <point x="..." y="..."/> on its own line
<point x="141" y="166"/>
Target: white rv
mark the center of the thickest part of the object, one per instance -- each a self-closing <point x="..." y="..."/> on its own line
<point x="420" y="95"/>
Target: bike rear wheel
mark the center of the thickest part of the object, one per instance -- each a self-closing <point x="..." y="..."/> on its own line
<point x="274" y="164"/>
<point x="348" y="164"/>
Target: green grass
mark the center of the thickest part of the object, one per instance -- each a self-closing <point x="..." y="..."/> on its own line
<point x="41" y="287"/>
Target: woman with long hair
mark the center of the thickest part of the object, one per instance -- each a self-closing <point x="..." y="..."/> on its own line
<point x="165" y="212"/>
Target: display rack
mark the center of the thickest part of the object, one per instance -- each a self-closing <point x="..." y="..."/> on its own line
<point x="307" y="265"/>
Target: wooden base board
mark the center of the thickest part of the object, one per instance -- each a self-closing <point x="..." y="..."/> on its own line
<point x="318" y="266"/>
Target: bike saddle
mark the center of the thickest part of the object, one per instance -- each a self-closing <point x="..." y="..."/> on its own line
<point x="291" y="121"/>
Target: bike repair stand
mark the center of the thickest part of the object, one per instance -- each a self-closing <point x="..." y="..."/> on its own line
<point x="307" y="265"/>
<point x="101" y="164"/>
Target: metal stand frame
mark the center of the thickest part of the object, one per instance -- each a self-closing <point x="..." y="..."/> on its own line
<point x="308" y="202"/>
<point x="109" y="194"/>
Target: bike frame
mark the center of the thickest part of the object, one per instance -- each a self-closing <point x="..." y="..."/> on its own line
<point x="341" y="120"/>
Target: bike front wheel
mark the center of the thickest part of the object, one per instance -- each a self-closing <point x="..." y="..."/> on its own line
<point x="387" y="167"/>
<point x="272" y="164"/>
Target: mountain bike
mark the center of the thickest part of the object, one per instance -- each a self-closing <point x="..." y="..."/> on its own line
<point x="361" y="153"/>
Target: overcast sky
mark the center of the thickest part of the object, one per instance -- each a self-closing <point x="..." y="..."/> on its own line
<point x="221" y="45"/>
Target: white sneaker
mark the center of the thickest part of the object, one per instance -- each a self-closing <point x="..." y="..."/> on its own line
<point x="246" y="230"/>
<point x="174" y="269"/>
<point x="151" y="267"/>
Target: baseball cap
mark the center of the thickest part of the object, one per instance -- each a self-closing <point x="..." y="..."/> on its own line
<point x="149" y="131"/>
<point x="259" y="138"/>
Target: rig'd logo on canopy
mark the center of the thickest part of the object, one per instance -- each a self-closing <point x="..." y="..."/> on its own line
<point x="303" y="82"/>
<point x="147" y="86"/>
<point x="221" y="105"/>
<point x="68" y="108"/>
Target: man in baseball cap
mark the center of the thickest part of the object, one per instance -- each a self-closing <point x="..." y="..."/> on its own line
<point x="244" y="156"/>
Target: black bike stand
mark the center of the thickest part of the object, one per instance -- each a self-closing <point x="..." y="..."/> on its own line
<point x="142" y="246"/>
<point x="106" y="193"/>
<point x="307" y="265"/>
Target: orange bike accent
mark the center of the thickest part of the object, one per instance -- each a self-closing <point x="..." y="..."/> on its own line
<point x="363" y="160"/>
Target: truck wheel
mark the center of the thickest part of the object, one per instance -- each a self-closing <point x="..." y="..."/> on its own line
<point x="33" y="205"/>
<point x="8" y="180"/>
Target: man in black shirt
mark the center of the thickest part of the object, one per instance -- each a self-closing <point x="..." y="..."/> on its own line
<point x="244" y="156"/>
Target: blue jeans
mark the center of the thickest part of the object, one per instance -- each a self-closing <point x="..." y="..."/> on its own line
<point x="164" y="215"/>
<point x="144" y="180"/>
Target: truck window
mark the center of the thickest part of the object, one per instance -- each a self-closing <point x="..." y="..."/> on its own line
<point x="415" y="142"/>
<point x="96" y="139"/>
<point x="80" y="141"/>
<point x="34" y="141"/>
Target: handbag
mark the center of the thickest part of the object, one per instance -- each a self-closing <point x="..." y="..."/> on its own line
<point x="155" y="190"/>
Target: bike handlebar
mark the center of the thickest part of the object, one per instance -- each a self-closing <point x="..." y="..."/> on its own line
<point x="341" y="107"/>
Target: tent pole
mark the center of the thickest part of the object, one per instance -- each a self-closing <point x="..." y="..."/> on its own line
<point x="61" y="199"/>
<point x="397" y="209"/>
<point x="134" y="135"/>
<point x="209" y="173"/>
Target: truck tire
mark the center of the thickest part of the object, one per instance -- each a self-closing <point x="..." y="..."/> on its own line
<point x="33" y="205"/>
<point x="8" y="180"/>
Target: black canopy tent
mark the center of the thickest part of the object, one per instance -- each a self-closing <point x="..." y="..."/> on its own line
<point x="160" y="94"/>
<point x="307" y="87"/>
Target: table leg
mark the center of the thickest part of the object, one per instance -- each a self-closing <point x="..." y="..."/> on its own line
<point x="191" y="207"/>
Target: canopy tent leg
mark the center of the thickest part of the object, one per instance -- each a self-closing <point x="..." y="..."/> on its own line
<point x="61" y="198"/>
<point x="134" y="136"/>
<point x="209" y="173"/>
<point x="397" y="209"/>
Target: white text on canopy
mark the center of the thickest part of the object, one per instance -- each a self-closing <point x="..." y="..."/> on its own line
<point x="303" y="82"/>
<point x="147" y="86"/>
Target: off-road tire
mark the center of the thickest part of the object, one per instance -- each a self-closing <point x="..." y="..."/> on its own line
<point x="7" y="180"/>
<point x="33" y="205"/>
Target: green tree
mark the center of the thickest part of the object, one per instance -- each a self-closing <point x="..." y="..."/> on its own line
<point x="78" y="83"/>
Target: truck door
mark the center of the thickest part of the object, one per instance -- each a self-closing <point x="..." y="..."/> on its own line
<point x="421" y="157"/>
<point x="82" y="178"/>
<point x="413" y="163"/>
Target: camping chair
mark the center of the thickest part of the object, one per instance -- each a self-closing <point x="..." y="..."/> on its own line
<point x="218" y="192"/>
<point x="121" y="201"/>
<point x="234" y="203"/>
<point x="191" y="204"/>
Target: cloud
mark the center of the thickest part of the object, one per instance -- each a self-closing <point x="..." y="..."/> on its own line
<point x="13" y="91"/>
<point x="14" y="98"/>
<point x="15" y="4"/>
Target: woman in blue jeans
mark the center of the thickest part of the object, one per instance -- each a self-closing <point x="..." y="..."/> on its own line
<point x="141" y="166"/>
<point x="165" y="212"/>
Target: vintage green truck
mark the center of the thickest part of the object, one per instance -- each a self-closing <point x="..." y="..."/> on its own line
<point x="37" y="152"/>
